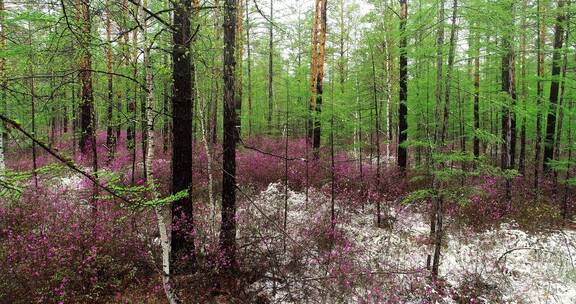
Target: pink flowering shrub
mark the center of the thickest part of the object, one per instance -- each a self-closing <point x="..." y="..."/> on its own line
<point x="56" y="248"/>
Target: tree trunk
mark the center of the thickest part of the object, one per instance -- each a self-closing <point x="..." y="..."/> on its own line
<point x="239" y="74"/>
<point x="403" y="108"/>
<point x="87" y="99"/>
<point x="2" y="87"/>
<point x="215" y="79"/>
<point x="182" y="210"/>
<point x="320" y="77"/>
<point x="437" y="200"/>
<point x="561" y="102"/>
<point x="524" y="88"/>
<point x="314" y="65"/>
<point x="228" y="229"/>
<point x="377" y="129"/>
<point x="554" y="86"/>
<point x="476" y="93"/>
<point x="539" y="91"/>
<point x="110" y="130"/>
<point x="508" y="122"/>
<point x="249" y="66"/>
<point x="448" y="85"/>
<point x="270" y="69"/>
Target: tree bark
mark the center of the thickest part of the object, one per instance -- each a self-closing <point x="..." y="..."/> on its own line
<point x="270" y="69"/>
<point x="320" y="77"/>
<point x="476" y="93"/>
<point x="2" y="87"/>
<point x="539" y="91"/>
<point x="182" y="210"/>
<point x="228" y="229"/>
<point x="554" y="87"/>
<point x="239" y="74"/>
<point x="403" y="107"/>
<point x="87" y="99"/>
<point x="110" y="130"/>
<point x="249" y="67"/>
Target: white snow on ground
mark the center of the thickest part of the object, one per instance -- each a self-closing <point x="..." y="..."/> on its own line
<point x="520" y="267"/>
<point x="71" y="182"/>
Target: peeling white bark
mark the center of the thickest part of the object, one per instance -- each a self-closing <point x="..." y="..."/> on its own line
<point x="162" y="212"/>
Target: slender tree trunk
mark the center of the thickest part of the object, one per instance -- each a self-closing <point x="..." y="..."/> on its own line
<point x="554" y="86"/>
<point x="33" y="106"/>
<point x="388" y="113"/>
<point x="110" y="131"/>
<point x="524" y="88"/>
<point x="377" y="127"/>
<point x="165" y="112"/>
<point x="433" y="258"/>
<point x="448" y="84"/>
<point x="87" y="99"/>
<point x="249" y="67"/>
<point x="476" y="93"/>
<point x="182" y="210"/>
<point x="539" y="91"/>
<point x="314" y="66"/>
<point x="508" y="87"/>
<point x="320" y="77"/>
<point x="3" y="102"/>
<point x="270" y="69"/>
<point x="565" y="207"/>
<point x="215" y="79"/>
<point x="561" y="102"/>
<point x="403" y="108"/>
<point x="239" y="72"/>
<point x="143" y="102"/>
<point x="228" y="229"/>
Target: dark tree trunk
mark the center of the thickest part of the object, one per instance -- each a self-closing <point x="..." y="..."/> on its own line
<point x="110" y="130"/>
<point x="539" y="92"/>
<point x="377" y="129"/>
<point x="477" y="94"/>
<point x="320" y="77"/>
<point x="270" y="70"/>
<point x="508" y="121"/>
<point x="554" y="87"/>
<point x="87" y="100"/>
<point x="228" y="229"/>
<point x="403" y="108"/>
<point x="182" y="211"/>
<point x="249" y="70"/>
<point x="448" y="85"/>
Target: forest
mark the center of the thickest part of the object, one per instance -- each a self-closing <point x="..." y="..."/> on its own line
<point x="287" y="151"/>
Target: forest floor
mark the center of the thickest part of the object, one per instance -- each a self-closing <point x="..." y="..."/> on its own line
<point x="504" y="264"/>
<point x="522" y="255"/>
